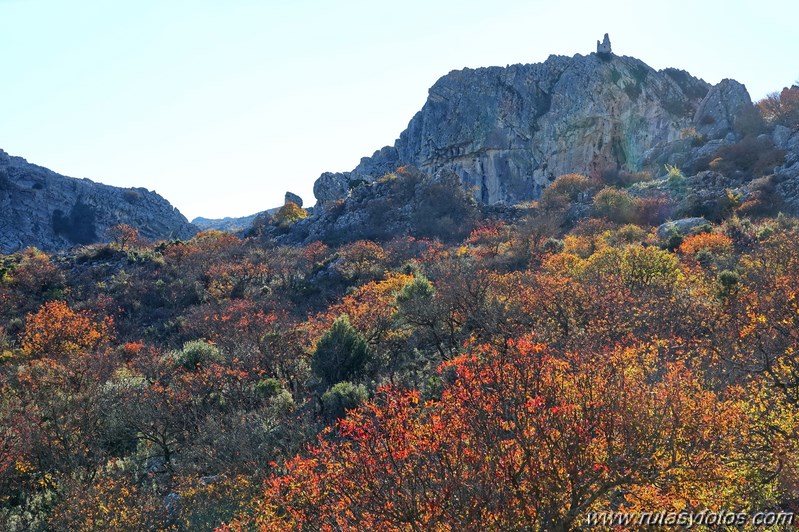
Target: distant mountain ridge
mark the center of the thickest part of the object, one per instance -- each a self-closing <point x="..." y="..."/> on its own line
<point x="229" y="223"/>
<point x="41" y="208"/>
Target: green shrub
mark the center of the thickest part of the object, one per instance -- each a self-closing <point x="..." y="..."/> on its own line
<point x="341" y="354"/>
<point x="341" y="397"/>
<point x="673" y="241"/>
<point x="419" y="288"/>
<point x="268" y="388"/>
<point x="729" y="281"/>
<point x="197" y="353"/>
<point x="614" y="205"/>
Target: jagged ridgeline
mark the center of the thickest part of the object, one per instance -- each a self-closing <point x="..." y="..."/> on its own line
<point x="41" y="208"/>
<point x="509" y="132"/>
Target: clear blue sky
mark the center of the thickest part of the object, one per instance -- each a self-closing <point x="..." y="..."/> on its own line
<point x="221" y="106"/>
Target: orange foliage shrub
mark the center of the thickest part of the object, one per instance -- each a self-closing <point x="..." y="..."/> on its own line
<point x="370" y="308"/>
<point x="716" y="243"/>
<point x="290" y="213"/>
<point x="361" y="259"/>
<point x="488" y="240"/>
<point x="521" y="439"/>
<point x="781" y="107"/>
<point x="58" y="330"/>
<point x="125" y="236"/>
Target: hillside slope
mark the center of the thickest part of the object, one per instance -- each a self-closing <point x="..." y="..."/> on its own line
<point x="41" y="208"/>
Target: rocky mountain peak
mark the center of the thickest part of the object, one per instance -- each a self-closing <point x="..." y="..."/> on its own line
<point x="508" y="132"/>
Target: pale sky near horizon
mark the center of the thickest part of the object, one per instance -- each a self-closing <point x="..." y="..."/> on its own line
<point x="222" y="106"/>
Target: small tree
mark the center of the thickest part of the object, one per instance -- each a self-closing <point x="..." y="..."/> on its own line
<point x="781" y="108"/>
<point x="124" y="236"/>
<point x="341" y="354"/>
<point x="197" y="353"/>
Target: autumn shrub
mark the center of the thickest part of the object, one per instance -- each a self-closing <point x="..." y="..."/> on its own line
<point x="525" y="439"/>
<point x="206" y="502"/>
<point x="615" y="205"/>
<point x="716" y="243"/>
<point x="626" y="234"/>
<point x="579" y="245"/>
<point x="113" y="501"/>
<point x="636" y="266"/>
<point x="591" y="227"/>
<point x="763" y="200"/>
<point x="565" y="189"/>
<point x="652" y="210"/>
<point x="753" y="156"/>
<point x="362" y="259"/>
<point x="781" y="108"/>
<point x="289" y="214"/>
<point x="27" y="279"/>
<point x="57" y="330"/>
<point x="124" y="236"/>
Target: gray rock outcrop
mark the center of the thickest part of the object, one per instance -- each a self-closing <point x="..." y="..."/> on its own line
<point x="41" y="208"/>
<point x="721" y="110"/>
<point x="291" y="197"/>
<point x="788" y="174"/>
<point x="508" y="132"/>
<point x="332" y="186"/>
<point x="682" y="226"/>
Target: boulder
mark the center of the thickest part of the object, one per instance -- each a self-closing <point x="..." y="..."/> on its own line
<point x="331" y="186"/>
<point x="781" y="137"/>
<point x="291" y="197"/>
<point x="682" y="226"/>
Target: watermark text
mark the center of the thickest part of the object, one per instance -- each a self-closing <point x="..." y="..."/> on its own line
<point x="689" y="519"/>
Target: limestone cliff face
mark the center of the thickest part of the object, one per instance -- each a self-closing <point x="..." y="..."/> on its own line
<point x="41" y="208"/>
<point x="508" y="132"/>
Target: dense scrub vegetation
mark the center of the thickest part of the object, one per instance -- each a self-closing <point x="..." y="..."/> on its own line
<point x="519" y="378"/>
<point x="511" y="371"/>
